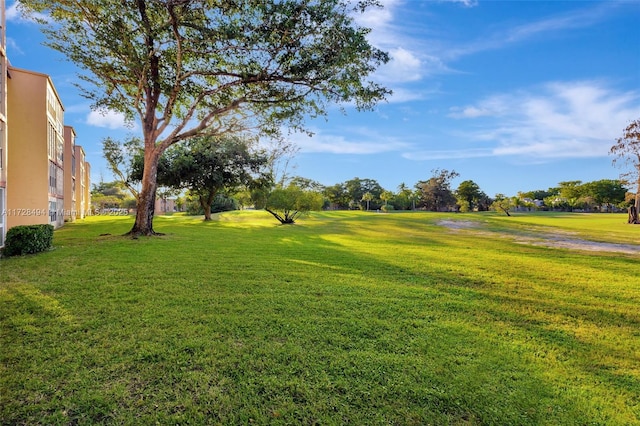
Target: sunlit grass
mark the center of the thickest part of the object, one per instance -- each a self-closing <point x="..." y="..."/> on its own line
<point x="346" y="317"/>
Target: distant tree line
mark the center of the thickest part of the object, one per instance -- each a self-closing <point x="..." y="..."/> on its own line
<point x="236" y="178"/>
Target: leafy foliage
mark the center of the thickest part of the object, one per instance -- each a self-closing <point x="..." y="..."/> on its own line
<point x="502" y="203"/>
<point x="28" y="239"/>
<point x="470" y="197"/>
<point x="221" y="203"/>
<point x="106" y="195"/>
<point x="627" y="152"/>
<point x="207" y="166"/>
<point x="287" y="204"/>
<point x="435" y="193"/>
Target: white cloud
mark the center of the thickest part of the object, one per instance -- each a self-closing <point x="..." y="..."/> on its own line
<point x="404" y="66"/>
<point x="578" y="18"/>
<point x="448" y="154"/>
<point x="15" y="48"/>
<point x="109" y="119"/>
<point x="407" y="62"/>
<point x="465" y="3"/>
<point x="13" y="14"/>
<point x="359" y="141"/>
<point x="557" y="120"/>
<point x="378" y="18"/>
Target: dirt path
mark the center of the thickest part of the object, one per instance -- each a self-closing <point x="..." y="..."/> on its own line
<point x="547" y="239"/>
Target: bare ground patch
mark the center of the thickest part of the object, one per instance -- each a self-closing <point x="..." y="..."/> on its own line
<point x="557" y="239"/>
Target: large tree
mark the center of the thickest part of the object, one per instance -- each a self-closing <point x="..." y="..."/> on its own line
<point x="627" y="151"/>
<point x="208" y="166"/>
<point x="186" y="67"/>
<point x="605" y="191"/>
<point x="357" y="188"/>
<point x="435" y="193"/>
<point x="337" y="196"/>
<point x="469" y="195"/>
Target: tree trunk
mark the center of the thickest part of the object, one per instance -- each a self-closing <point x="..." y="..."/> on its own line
<point x="633" y="215"/>
<point x="145" y="205"/>
<point x="637" y="205"/>
<point x="285" y="220"/>
<point x="206" y="206"/>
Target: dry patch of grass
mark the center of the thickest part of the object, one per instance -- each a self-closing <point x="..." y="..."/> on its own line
<point x="554" y="238"/>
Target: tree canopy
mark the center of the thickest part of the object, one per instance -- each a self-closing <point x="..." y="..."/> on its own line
<point x="207" y="166"/>
<point x="435" y="193"/>
<point x="627" y="152"/>
<point x="470" y="197"/>
<point x="182" y="68"/>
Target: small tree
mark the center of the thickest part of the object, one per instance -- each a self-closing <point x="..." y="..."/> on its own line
<point x="627" y="152"/>
<point x="287" y="204"/>
<point x="503" y="203"/>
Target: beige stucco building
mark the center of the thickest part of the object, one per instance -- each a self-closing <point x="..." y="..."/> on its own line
<point x="79" y="190"/>
<point x="35" y="177"/>
<point x="86" y="188"/>
<point x="4" y="63"/>
<point x="44" y="176"/>
<point x="70" y="175"/>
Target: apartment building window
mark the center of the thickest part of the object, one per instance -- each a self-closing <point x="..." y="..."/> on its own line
<point x="51" y="141"/>
<point x="59" y="181"/>
<point x="59" y="148"/>
<point x="2" y="140"/>
<point x="53" y="178"/>
<point x="73" y="164"/>
<point x="53" y="211"/>
<point x="59" y="213"/>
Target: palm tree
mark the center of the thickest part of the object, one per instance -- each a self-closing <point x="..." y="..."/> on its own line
<point x="367" y="197"/>
<point x="386" y="196"/>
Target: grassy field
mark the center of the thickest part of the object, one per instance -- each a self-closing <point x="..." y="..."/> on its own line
<point x="345" y="318"/>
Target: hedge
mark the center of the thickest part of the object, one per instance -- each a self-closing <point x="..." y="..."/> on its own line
<point x="28" y="239"/>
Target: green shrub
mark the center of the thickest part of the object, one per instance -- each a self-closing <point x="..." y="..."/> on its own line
<point x="28" y="239"/>
<point x="221" y="203"/>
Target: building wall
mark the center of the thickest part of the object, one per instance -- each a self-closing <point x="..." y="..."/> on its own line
<point x="70" y="174"/>
<point x="4" y="63"/>
<point x="165" y="205"/>
<point x="87" y="189"/>
<point x="35" y="178"/>
<point x="80" y="205"/>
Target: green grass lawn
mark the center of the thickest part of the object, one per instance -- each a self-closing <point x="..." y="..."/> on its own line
<point x="345" y="318"/>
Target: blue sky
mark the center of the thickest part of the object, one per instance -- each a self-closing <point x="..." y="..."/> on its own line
<point x="514" y="95"/>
